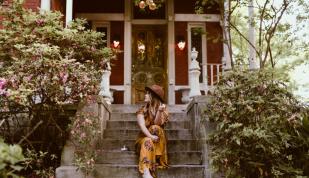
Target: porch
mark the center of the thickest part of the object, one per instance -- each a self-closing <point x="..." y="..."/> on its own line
<point x="129" y="29"/>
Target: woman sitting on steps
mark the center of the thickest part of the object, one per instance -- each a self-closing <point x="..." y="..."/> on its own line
<point x="151" y="142"/>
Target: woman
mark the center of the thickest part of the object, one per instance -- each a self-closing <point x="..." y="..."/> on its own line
<point x="151" y="142"/>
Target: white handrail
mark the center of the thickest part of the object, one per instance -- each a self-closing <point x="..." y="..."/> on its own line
<point x="214" y="74"/>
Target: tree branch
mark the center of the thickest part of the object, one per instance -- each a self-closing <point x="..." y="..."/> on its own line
<point x="29" y="133"/>
<point x="243" y="36"/>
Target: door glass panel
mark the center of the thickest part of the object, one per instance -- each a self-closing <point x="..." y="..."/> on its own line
<point x="148" y="59"/>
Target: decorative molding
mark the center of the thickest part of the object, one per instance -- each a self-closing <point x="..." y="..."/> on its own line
<point x="197" y="17"/>
<point x="101" y="16"/>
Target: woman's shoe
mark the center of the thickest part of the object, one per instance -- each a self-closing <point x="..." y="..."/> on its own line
<point x="147" y="174"/>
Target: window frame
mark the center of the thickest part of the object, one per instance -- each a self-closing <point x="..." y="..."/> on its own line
<point x="203" y="70"/>
<point x="97" y="24"/>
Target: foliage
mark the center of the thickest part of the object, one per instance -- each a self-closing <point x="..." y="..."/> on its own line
<point x="45" y="66"/>
<point x="10" y="158"/>
<point x="45" y="63"/>
<point x="260" y="127"/>
<point x="279" y="27"/>
<point x="84" y="134"/>
<point x="35" y="163"/>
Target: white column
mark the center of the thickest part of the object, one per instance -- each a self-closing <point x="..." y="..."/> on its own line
<point x="226" y="60"/>
<point x="171" y="52"/>
<point x="127" y="52"/>
<point x="45" y="5"/>
<point x="69" y="12"/>
<point x="252" y="54"/>
<point x="194" y="75"/>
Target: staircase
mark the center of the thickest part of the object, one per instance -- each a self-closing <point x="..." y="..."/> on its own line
<point x="184" y="153"/>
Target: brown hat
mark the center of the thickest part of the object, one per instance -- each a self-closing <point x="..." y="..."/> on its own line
<point x="157" y="90"/>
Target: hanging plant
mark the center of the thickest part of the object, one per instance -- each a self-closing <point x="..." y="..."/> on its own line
<point x="152" y="4"/>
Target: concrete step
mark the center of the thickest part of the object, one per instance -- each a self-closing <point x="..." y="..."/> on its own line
<point x="131" y="171"/>
<point x="112" y="124"/>
<point x="132" y="116"/>
<point x="173" y="145"/>
<point x="128" y="108"/>
<point x="130" y="157"/>
<point x="133" y="133"/>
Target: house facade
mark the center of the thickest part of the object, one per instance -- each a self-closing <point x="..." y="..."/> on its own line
<point x="156" y="42"/>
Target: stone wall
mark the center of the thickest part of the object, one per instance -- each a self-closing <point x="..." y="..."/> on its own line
<point x="100" y="109"/>
<point x="201" y="128"/>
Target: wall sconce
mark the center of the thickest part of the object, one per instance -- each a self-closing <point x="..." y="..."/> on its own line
<point x="116" y="41"/>
<point x="181" y="43"/>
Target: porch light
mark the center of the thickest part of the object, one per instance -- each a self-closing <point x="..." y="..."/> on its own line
<point x="116" y="41"/>
<point x="181" y="43"/>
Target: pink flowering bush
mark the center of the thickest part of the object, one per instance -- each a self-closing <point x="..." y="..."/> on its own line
<point x="45" y="63"/>
<point x="85" y="130"/>
<point x="44" y="67"/>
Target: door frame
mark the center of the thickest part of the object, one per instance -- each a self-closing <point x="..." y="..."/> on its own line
<point x="156" y="28"/>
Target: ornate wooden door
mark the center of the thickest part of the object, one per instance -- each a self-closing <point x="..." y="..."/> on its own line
<point x="148" y="59"/>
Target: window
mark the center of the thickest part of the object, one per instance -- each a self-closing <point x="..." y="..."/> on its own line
<point x="197" y="40"/>
<point x="103" y="27"/>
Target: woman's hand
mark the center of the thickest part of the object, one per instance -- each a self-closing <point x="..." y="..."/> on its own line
<point x="161" y="107"/>
<point x="154" y="138"/>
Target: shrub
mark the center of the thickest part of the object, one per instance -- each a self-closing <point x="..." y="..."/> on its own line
<point x="259" y="127"/>
<point x="43" y="67"/>
<point x="85" y="131"/>
<point x="11" y="157"/>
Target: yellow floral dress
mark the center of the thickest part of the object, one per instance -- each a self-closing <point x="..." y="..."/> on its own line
<point x="152" y="154"/>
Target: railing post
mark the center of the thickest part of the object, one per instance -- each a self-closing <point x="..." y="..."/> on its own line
<point x="45" y="5"/>
<point x="105" y="84"/>
<point x="68" y="12"/>
<point x="194" y="74"/>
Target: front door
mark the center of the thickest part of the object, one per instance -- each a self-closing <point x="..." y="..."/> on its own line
<point x="148" y="59"/>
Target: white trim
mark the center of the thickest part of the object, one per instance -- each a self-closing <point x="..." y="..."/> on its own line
<point x="149" y="22"/>
<point x="197" y="17"/>
<point x="181" y="87"/>
<point x="171" y="52"/>
<point x="96" y="24"/>
<point x="45" y="5"/>
<point x="69" y="12"/>
<point x="117" y="87"/>
<point x="127" y="53"/>
<point x="101" y="16"/>
<point x="203" y="85"/>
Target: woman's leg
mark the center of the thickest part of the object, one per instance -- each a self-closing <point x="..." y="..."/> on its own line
<point x="147" y="155"/>
<point x="160" y="145"/>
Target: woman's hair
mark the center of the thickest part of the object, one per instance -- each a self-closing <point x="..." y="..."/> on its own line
<point x="154" y="101"/>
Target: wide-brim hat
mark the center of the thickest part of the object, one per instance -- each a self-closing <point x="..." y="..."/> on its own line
<point x="156" y="90"/>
